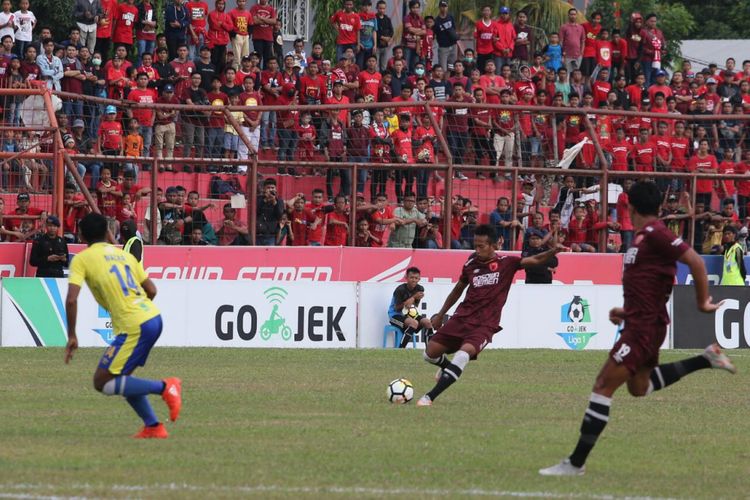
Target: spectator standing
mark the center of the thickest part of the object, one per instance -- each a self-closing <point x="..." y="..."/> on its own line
<point x="385" y="35"/>
<point x="653" y="49"/>
<point x="164" y="131"/>
<point x="572" y="39"/>
<point x="485" y="34"/>
<point x="523" y="47"/>
<point x="145" y="33"/>
<point x="25" y="21"/>
<point x="446" y="35"/>
<point x="337" y="224"/>
<point x="142" y="94"/>
<point x="408" y="220"/>
<point x="264" y="18"/>
<point x="703" y="162"/>
<point x="49" y="252"/>
<point x="220" y="24"/>
<point x="506" y="39"/>
<point x="633" y="37"/>
<point x="104" y="27"/>
<point x="347" y="24"/>
<point x="50" y="66"/>
<point x="125" y="20"/>
<point x="183" y="69"/>
<point x="270" y="208"/>
<point x="198" y="11"/>
<point x="591" y="30"/>
<point x="194" y="122"/>
<point x="368" y="34"/>
<point x="177" y="20"/>
<point x="457" y="127"/>
<point x="85" y="12"/>
<point x="413" y="30"/>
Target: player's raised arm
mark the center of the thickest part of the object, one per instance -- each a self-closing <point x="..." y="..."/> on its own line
<point x="71" y="313"/>
<point x="698" y="269"/>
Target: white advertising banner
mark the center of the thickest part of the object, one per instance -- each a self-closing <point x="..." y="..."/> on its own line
<point x="206" y="314"/>
<point x="535" y="316"/>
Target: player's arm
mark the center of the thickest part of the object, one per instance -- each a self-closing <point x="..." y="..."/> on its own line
<point x="544" y="257"/>
<point x="698" y="269"/>
<point x="71" y="313"/>
<point x="150" y="289"/>
<point x="450" y="300"/>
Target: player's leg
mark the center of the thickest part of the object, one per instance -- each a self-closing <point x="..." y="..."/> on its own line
<point x="426" y="325"/>
<point x="450" y="373"/>
<point x="595" y="419"/>
<point x="667" y="374"/>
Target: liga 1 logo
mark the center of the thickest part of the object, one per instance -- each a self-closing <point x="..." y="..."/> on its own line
<point x="576" y="325"/>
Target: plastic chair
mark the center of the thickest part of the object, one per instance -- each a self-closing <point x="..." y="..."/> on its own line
<point x="397" y="336"/>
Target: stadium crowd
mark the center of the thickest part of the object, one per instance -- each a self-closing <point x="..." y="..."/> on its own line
<point x="203" y="56"/>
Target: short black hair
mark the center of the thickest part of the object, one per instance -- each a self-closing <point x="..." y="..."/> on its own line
<point x="93" y="228"/>
<point x="486" y="230"/>
<point x="413" y="270"/>
<point x="645" y="198"/>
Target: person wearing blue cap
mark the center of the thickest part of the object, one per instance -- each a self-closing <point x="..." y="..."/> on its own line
<point x="506" y="39"/>
<point x="49" y="253"/>
<point x="110" y="137"/>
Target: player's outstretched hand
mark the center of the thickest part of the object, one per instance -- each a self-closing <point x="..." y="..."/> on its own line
<point x="616" y="315"/>
<point x="70" y="348"/>
<point x="708" y="306"/>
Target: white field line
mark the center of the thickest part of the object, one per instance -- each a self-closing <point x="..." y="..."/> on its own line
<point x="7" y="491"/>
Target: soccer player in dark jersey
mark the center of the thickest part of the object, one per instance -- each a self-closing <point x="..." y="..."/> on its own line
<point x="649" y="271"/>
<point x="476" y="320"/>
<point x="406" y="296"/>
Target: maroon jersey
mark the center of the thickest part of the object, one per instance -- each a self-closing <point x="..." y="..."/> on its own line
<point x="489" y="283"/>
<point x="649" y="271"/>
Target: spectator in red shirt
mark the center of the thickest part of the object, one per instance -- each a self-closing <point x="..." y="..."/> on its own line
<point x="347" y="23"/>
<point x="414" y="29"/>
<point x="620" y="150"/>
<point x="242" y="21"/>
<point x="600" y="87"/>
<point x="485" y="33"/>
<point x="220" y="24"/>
<point x="370" y="80"/>
<point x="578" y="229"/>
<point x="124" y="24"/>
<point x="623" y="216"/>
<point x="198" y="11"/>
<point x="264" y="19"/>
<point x="110" y="137"/>
<point x="402" y="145"/>
<point x="644" y="151"/>
<point x="337" y="224"/>
<point x="457" y="127"/>
<point x="145" y="115"/>
<point x="382" y="218"/>
<point x="743" y="186"/>
<point x="506" y="39"/>
<point x="703" y="161"/>
<point x="301" y="219"/>
<point x="604" y="47"/>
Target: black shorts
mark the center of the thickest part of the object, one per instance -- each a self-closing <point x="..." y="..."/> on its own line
<point x="587" y="67"/>
<point x="398" y="320"/>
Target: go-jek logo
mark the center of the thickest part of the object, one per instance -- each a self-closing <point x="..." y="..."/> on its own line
<point x="575" y="319"/>
<point x="275" y="324"/>
<point x="106" y="332"/>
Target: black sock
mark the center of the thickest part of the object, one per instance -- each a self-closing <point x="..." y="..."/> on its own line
<point x="442" y="361"/>
<point x="667" y="374"/>
<point x="408" y="332"/>
<point x="449" y="375"/>
<point x="594" y="422"/>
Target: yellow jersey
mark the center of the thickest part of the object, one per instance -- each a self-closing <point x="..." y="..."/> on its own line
<point x="114" y="278"/>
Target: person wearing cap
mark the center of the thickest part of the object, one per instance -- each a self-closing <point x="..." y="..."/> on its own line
<point x="164" y="128"/>
<point x="674" y="216"/>
<point x="110" y="137"/>
<point x="205" y="68"/>
<point x="733" y="269"/>
<point x="505" y="39"/>
<point x="49" y="252"/>
<point x="447" y="37"/>
<point x="540" y="274"/>
<point x="652" y="50"/>
<point x="729" y="90"/>
<point x="23" y="202"/>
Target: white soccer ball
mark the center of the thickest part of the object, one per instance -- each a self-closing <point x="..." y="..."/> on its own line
<point x="400" y="391"/>
<point x="411" y="312"/>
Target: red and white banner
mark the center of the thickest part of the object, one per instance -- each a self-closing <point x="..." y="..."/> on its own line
<point x="13" y="259"/>
<point x="385" y="265"/>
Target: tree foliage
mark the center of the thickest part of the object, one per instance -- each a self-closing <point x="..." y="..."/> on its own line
<point x="56" y="14"/>
<point x="718" y="19"/>
<point x="324" y="31"/>
<point x="673" y="19"/>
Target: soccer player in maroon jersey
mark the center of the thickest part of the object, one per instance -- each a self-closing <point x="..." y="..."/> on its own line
<point x="477" y="318"/>
<point x="650" y="265"/>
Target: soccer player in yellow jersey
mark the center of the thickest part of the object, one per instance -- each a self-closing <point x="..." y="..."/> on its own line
<point x="119" y="284"/>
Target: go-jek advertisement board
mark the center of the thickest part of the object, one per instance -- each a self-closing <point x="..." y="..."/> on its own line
<point x="574" y="317"/>
<point x="196" y="313"/>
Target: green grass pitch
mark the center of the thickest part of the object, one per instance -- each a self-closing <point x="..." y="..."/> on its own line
<point x="316" y="424"/>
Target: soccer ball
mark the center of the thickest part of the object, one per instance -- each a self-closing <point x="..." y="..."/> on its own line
<point x="576" y="311"/>
<point x="412" y="312"/>
<point x="400" y="391"/>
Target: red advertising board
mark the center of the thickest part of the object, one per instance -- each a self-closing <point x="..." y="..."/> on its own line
<point x="321" y="264"/>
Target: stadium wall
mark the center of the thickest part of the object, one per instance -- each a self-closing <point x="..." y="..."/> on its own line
<point x="308" y="315"/>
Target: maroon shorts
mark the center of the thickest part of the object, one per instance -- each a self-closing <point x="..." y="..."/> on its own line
<point x="456" y="333"/>
<point x="638" y="347"/>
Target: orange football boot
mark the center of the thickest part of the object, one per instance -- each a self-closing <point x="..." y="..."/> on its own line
<point x="172" y="395"/>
